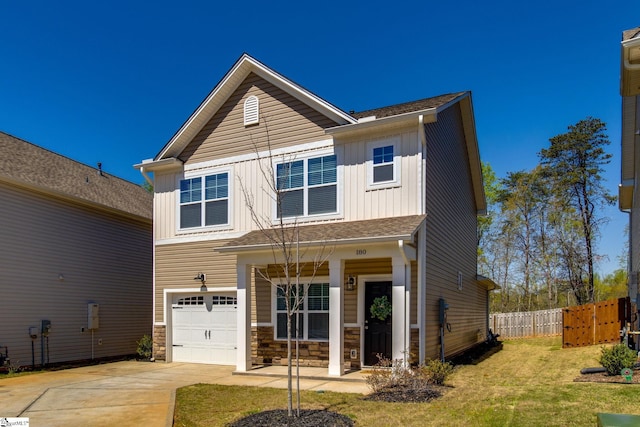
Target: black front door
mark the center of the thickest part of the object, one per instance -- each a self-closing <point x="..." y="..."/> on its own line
<point x="377" y="333"/>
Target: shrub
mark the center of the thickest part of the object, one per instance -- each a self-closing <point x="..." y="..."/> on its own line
<point x="145" y="347"/>
<point x="437" y="371"/>
<point x="616" y="358"/>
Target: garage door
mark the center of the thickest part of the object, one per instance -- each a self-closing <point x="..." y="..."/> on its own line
<point x="204" y="328"/>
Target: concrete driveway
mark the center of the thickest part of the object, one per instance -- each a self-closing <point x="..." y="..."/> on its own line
<point x="134" y="393"/>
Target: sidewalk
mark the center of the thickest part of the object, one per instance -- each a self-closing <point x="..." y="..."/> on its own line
<point x="134" y="393"/>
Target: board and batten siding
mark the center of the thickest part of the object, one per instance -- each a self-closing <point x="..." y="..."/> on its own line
<point x="451" y="239"/>
<point x="362" y="203"/>
<point x="56" y="257"/>
<point x="284" y="121"/>
<point x="178" y="264"/>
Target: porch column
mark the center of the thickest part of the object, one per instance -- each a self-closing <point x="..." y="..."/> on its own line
<point x="336" y="317"/>
<point x="243" y="352"/>
<point x="399" y="346"/>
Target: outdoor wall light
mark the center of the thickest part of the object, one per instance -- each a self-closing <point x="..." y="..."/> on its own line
<point x="61" y="277"/>
<point x="350" y="284"/>
<point x="202" y="277"/>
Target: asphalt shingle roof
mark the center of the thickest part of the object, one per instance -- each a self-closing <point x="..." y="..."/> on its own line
<point x="408" y="107"/>
<point x="380" y="229"/>
<point x="26" y="164"/>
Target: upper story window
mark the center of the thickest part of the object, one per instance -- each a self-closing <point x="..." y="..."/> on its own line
<point x="204" y="201"/>
<point x="251" y="111"/>
<point x="307" y="187"/>
<point x="383" y="169"/>
<point x="383" y="164"/>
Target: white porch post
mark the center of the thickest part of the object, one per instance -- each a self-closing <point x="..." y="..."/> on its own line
<point x="422" y="292"/>
<point x="243" y="354"/>
<point x="399" y="309"/>
<point x="336" y="317"/>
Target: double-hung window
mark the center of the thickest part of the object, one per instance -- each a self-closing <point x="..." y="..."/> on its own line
<point x="383" y="170"/>
<point x="204" y="201"/>
<point x="307" y="187"/>
<point x="313" y="312"/>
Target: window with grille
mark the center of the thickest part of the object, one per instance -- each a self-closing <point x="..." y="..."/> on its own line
<point x="307" y="187"/>
<point x="204" y="201"/>
<point x="313" y="312"/>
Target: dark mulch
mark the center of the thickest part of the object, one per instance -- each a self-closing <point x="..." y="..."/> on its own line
<point x="307" y="418"/>
<point x="407" y="394"/>
<point x="602" y="377"/>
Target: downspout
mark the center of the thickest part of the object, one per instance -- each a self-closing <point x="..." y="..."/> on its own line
<point x="407" y="300"/>
<point x="146" y="177"/>
<point x="423" y="165"/>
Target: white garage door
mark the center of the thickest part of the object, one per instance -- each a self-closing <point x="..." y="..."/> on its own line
<point x="204" y="328"/>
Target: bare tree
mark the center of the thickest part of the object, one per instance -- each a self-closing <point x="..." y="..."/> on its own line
<point x="294" y="269"/>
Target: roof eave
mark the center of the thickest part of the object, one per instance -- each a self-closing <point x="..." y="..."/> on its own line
<point x="429" y="114"/>
<point x="335" y="242"/>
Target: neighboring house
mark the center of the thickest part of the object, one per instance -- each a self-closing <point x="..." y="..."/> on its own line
<point x="629" y="192"/>
<point x="76" y="254"/>
<point x="391" y="195"/>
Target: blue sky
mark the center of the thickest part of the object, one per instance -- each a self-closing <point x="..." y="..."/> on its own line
<point x="111" y="82"/>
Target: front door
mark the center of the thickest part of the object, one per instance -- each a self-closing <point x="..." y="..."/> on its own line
<point x="377" y="333"/>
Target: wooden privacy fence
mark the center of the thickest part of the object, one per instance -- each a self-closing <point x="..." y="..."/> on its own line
<point x="527" y="324"/>
<point x="597" y="323"/>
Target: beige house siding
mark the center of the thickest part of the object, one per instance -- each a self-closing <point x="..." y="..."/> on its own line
<point x="284" y="121"/>
<point x="451" y="238"/>
<point x="363" y="203"/>
<point x="57" y="257"/>
<point x="164" y="205"/>
<point x="178" y="264"/>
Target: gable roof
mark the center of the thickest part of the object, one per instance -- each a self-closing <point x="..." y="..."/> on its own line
<point x="409" y="107"/>
<point x="382" y="229"/>
<point x="27" y="165"/>
<point x="229" y="83"/>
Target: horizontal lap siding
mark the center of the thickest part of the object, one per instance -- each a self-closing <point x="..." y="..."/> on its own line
<point x="104" y="259"/>
<point x="284" y="121"/>
<point x="178" y="264"/>
<point x="451" y="238"/>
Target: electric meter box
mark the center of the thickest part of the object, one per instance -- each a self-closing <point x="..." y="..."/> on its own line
<point x="93" y="317"/>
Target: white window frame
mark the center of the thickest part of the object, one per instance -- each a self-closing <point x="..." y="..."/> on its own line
<point x="395" y="182"/>
<point x="305" y="282"/>
<point x="289" y="158"/>
<point x="202" y="174"/>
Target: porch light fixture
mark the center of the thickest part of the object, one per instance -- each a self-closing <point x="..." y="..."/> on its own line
<point x="201" y="277"/>
<point x="350" y="284"/>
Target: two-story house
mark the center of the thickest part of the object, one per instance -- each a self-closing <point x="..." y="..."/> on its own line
<point x="628" y="195"/>
<point x="387" y="198"/>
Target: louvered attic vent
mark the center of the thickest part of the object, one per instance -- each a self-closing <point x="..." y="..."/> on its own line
<point x="251" y="111"/>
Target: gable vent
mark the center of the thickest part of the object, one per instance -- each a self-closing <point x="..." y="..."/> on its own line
<point x="251" y="111"/>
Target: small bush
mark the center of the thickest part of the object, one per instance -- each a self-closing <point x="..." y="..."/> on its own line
<point x="616" y="358"/>
<point x="437" y="371"/>
<point x="145" y="347"/>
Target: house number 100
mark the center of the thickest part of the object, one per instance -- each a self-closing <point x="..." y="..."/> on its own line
<point x="361" y="251"/>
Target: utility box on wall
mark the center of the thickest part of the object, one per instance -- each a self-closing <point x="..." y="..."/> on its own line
<point x="93" y="316"/>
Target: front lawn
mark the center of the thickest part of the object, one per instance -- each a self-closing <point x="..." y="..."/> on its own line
<point x="528" y="383"/>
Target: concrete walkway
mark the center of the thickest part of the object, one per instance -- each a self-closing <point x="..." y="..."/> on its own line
<point x="134" y="393"/>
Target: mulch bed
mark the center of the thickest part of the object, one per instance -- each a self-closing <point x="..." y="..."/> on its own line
<point x="307" y="418"/>
<point x="602" y="377"/>
<point x="407" y="394"/>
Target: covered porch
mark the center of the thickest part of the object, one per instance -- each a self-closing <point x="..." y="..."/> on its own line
<point x="353" y="264"/>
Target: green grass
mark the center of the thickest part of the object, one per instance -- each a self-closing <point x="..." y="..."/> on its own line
<point x="528" y="383"/>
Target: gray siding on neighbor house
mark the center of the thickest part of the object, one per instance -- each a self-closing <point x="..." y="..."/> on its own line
<point x="103" y="258"/>
<point x="451" y="238"/>
<point x="284" y="121"/>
